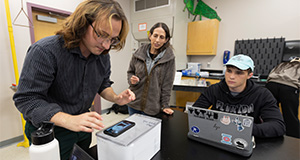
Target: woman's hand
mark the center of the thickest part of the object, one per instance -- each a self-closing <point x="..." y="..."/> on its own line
<point x="168" y="111"/>
<point x="134" y="79"/>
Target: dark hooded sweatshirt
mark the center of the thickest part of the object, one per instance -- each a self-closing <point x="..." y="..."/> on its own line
<point x="254" y="101"/>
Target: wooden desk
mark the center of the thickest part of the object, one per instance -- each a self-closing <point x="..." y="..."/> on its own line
<point x="176" y="146"/>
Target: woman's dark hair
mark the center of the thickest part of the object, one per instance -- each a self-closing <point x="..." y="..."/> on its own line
<point x="168" y="36"/>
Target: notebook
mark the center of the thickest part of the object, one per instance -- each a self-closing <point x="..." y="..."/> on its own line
<point x="230" y="132"/>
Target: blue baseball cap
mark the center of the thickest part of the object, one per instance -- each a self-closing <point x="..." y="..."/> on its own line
<point x="241" y="61"/>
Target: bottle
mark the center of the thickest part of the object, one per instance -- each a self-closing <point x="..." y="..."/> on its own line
<point x="44" y="145"/>
<point x="226" y="56"/>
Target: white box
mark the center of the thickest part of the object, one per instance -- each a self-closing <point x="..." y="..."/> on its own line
<point x="194" y="67"/>
<point x="177" y="79"/>
<point x="140" y="142"/>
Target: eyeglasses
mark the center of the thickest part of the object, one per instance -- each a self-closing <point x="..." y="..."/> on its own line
<point x="105" y="37"/>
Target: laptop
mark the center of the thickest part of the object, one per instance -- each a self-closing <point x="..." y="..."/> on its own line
<point x="79" y="154"/>
<point x="227" y="131"/>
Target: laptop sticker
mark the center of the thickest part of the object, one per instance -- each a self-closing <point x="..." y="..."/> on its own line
<point x="240" y="143"/>
<point x="247" y="122"/>
<point x="195" y="129"/>
<point x="226" y="139"/>
<point x="225" y="120"/>
<point x="197" y="112"/>
<point x="238" y="124"/>
<point x="211" y="115"/>
<point x="191" y="110"/>
<point x="208" y="115"/>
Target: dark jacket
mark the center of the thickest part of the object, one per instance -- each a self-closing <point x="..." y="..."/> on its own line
<point x="254" y="101"/>
<point x="153" y="91"/>
<point x="56" y="79"/>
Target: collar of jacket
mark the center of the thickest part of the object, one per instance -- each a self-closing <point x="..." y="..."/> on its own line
<point x="141" y="53"/>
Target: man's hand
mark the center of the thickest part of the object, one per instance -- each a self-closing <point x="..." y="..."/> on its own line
<point x="121" y="99"/>
<point x="85" y="122"/>
<point x="134" y="79"/>
<point x="125" y="97"/>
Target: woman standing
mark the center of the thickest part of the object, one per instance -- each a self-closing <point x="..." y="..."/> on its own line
<point x="284" y="83"/>
<point x="151" y="73"/>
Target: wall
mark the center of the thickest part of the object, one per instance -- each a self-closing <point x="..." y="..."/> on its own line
<point x="242" y="19"/>
<point x="10" y="120"/>
<point x="120" y="61"/>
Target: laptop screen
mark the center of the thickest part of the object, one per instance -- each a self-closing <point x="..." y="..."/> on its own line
<point x="79" y="154"/>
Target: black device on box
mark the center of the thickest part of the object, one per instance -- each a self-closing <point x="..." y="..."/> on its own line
<point x="119" y="128"/>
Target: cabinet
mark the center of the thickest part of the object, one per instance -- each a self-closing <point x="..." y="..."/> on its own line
<point x="184" y="96"/>
<point x="202" y="37"/>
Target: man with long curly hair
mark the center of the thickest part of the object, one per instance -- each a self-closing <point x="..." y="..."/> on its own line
<point x="63" y="73"/>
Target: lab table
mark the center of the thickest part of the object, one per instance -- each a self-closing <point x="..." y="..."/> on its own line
<point x="176" y="146"/>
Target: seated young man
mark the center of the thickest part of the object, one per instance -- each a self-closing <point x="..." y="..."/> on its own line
<point x="239" y="95"/>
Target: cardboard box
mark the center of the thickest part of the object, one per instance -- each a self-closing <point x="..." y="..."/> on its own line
<point x="140" y="142"/>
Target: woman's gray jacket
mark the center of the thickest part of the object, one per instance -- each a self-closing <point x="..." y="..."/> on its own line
<point x="153" y="91"/>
